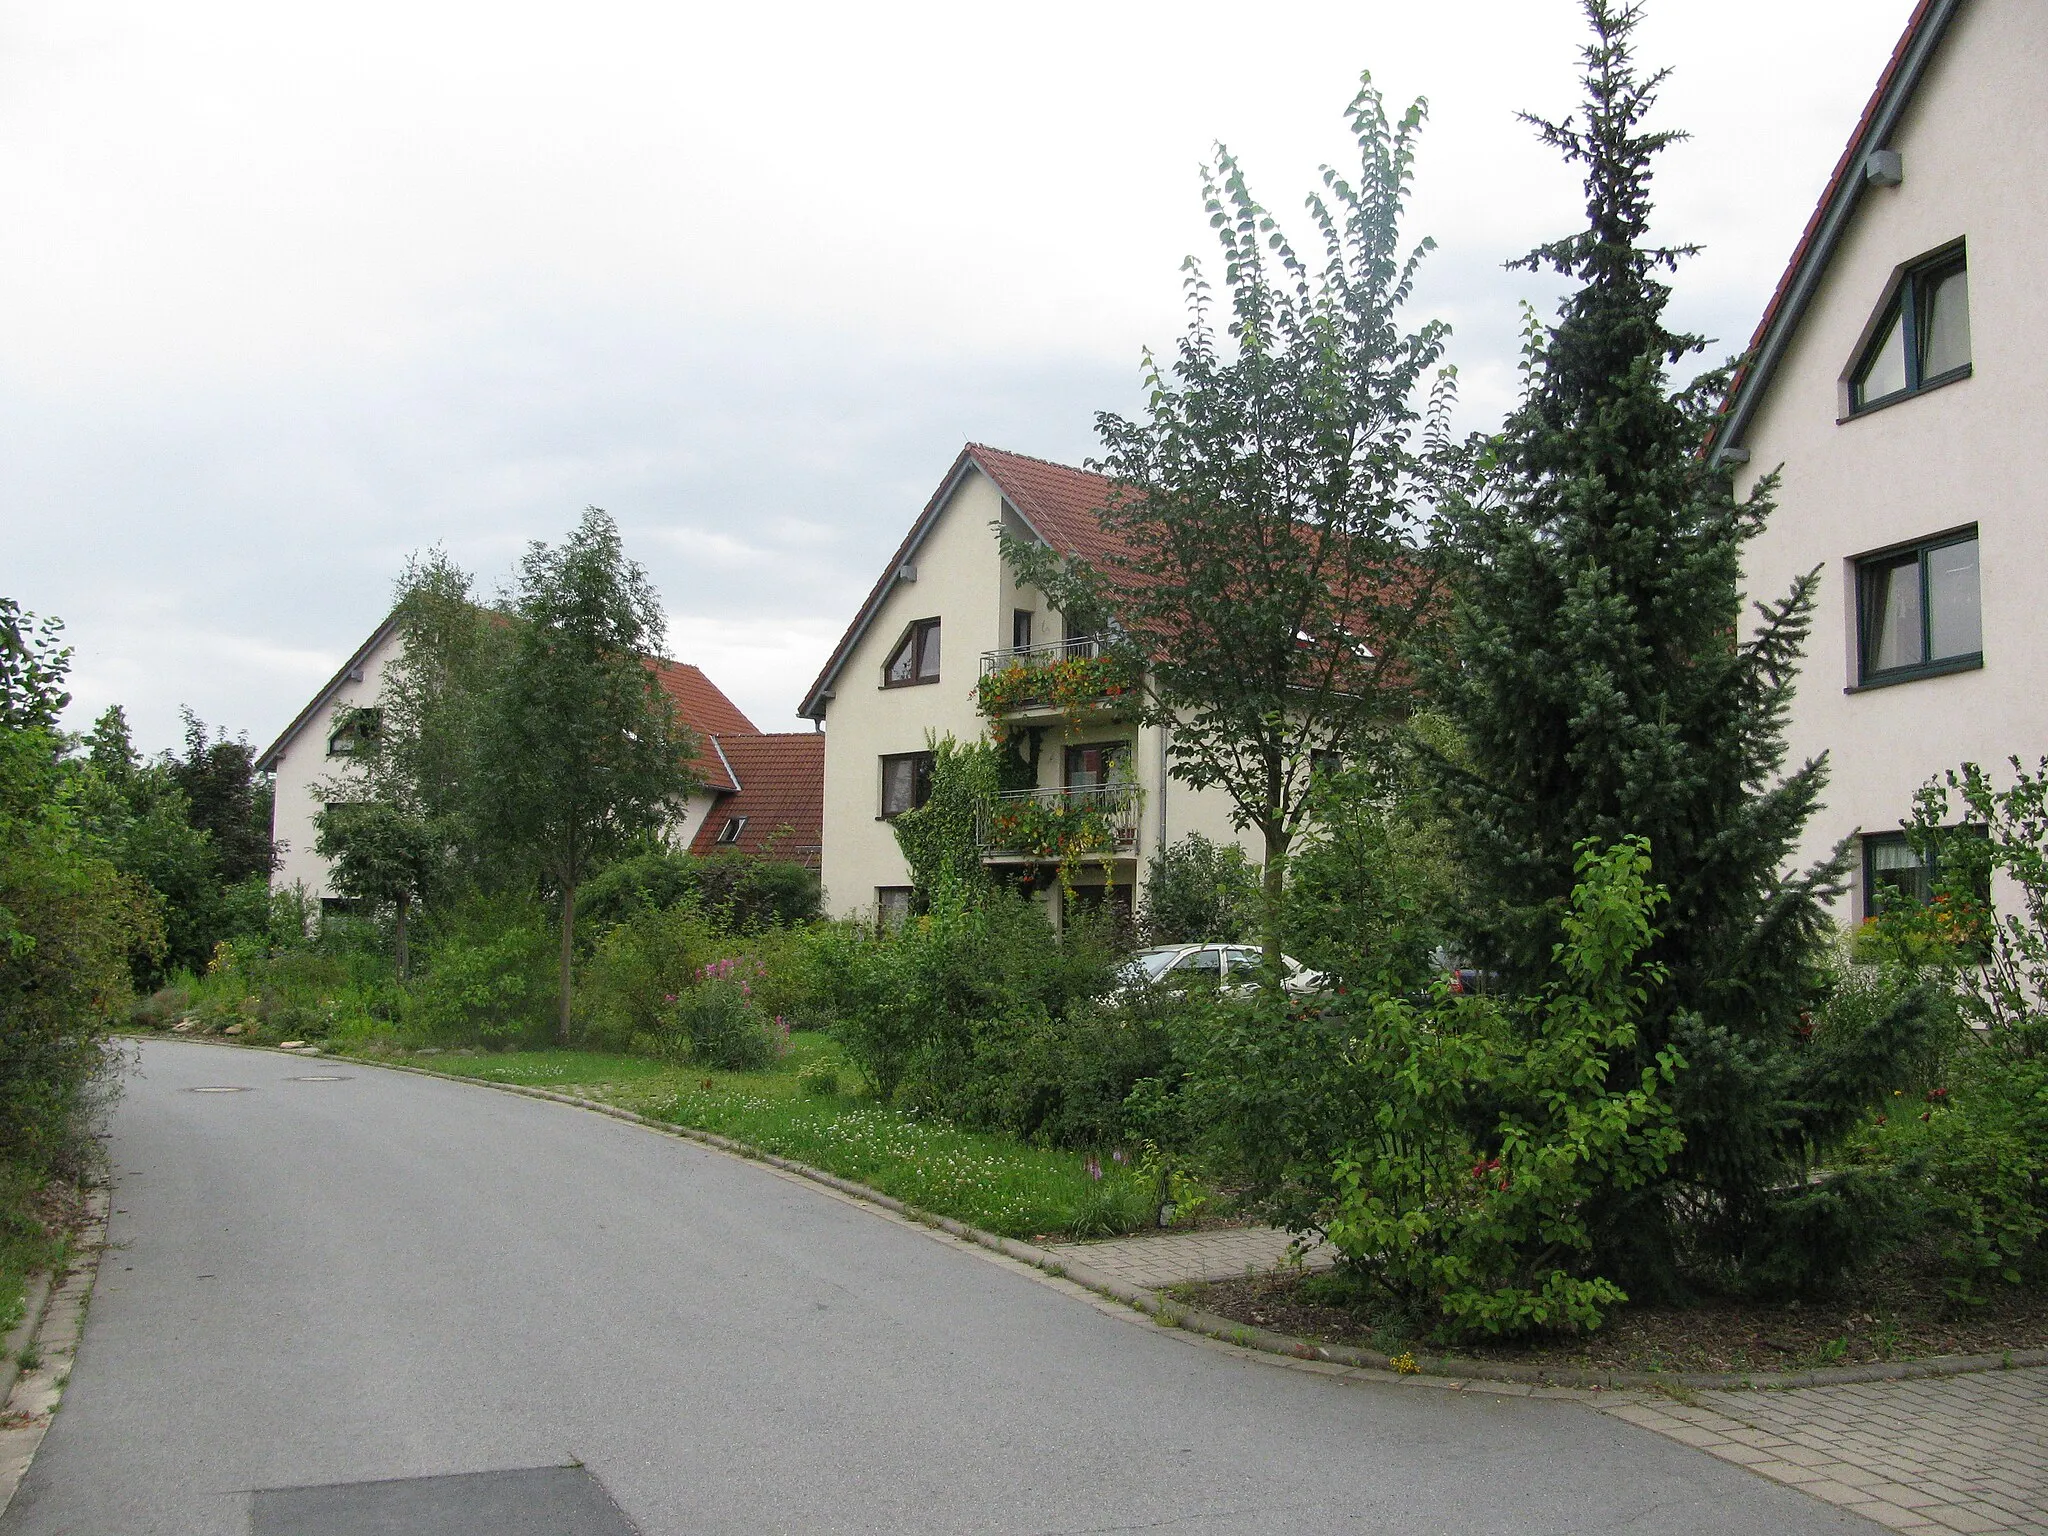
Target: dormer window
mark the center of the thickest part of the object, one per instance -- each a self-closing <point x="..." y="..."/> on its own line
<point x="916" y="657"/>
<point x="1923" y="337"/>
<point x="729" y="834"/>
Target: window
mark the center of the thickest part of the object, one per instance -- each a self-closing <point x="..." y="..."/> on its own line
<point x="1892" y="871"/>
<point x="1923" y="338"/>
<point x="1918" y="610"/>
<point x="1020" y="629"/>
<point x="352" y="728"/>
<point x="1097" y="764"/>
<point x="916" y="657"/>
<point x="892" y="906"/>
<point x="730" y="832"/>
<point x="906" y="782"/>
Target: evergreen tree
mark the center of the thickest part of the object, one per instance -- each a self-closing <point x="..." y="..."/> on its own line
<point x="227" y="798"/>
<point x="1605" y="688"/>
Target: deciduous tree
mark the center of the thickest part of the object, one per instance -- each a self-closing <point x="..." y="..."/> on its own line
<point x="582" y="750"/>
<point x="1268" y="571"/>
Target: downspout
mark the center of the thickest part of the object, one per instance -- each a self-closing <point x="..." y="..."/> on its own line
<point x="1162" y="787"/>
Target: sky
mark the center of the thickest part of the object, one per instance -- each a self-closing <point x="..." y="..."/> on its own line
<point x="294" y="292"/>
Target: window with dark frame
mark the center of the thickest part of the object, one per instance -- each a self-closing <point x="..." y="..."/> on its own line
<point x="1095" y="765"/>
<point x="892" y="906"/>
<point x="1924" y="338"/>
<point x="1919" y="610"/>
<point x="916" y="657"/>
<point x="730" y="832"/>
<point x="906" y="782"/>
<point x="1893" y="872"/>
<point x="353" y="728"/>
<point x="1020" y="629"/>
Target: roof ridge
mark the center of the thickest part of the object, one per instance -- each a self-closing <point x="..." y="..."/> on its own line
<point x="1838" y="200"/>
<point x="1032" y="458"/>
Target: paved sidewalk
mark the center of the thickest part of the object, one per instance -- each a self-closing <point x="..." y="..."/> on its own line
<point x="1174" y="1258"/>
<point x="1956" y="1453"/>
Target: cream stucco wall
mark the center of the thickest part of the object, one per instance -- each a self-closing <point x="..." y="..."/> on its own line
<point x="302" y="769"/>
<point x="1974" y="144"/>
<point x="963" y="582"/>
<point x="960" y="582"/>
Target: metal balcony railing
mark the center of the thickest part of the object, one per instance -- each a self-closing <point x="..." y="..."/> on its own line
<point x="1035" y="656"/>
<point x="1099" y="822"/>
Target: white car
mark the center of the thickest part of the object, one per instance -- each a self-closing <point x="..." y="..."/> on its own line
<point x="1227" y="967"/>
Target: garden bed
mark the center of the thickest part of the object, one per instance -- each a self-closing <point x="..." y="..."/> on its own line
<point x="1901" y="1315"/>
<point x="987" y="1181"/>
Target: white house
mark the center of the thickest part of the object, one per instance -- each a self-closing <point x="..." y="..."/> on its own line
<point x="946" y="613"/>
<point x="1899" y="384"/>
<point x="774" y="809"/>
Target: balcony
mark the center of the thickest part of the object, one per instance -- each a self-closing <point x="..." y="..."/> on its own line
<point x="1068" y="679"/>
<point x="1030" y="826"/>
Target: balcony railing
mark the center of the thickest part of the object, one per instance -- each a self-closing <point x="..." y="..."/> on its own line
<point x="1035" y="656"/>
<point x="1068" y="677"/>
<point x="1095" y="823"/>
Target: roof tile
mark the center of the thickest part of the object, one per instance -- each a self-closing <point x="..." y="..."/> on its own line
<point x="781" y="793"/>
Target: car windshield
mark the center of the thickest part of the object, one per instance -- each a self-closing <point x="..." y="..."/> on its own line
<point x="1155" y="962"/>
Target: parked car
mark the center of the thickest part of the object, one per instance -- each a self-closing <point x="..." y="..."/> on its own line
<point x="1227" y="967"/>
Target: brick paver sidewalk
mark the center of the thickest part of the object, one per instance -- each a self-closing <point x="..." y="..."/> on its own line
<point x="1952" y="1454"/>
<point x="1956" y="1453"/>
<point x="1173" y="1258"/>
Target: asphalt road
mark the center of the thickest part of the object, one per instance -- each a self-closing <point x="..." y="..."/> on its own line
<point x="393" y="1277"/>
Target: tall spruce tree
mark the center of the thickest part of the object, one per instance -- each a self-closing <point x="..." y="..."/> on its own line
<point x="1608" y="682"/>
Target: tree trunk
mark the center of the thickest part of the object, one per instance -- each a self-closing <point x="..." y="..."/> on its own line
<point x="404" y="903"/>
<point x="568" y="953"/>
<point x="1273" y="888"/>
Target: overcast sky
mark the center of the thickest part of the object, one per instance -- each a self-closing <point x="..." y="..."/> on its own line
<point x="292" y="292"/>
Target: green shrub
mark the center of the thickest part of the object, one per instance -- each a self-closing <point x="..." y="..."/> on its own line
<point x="1499" y="1127"/>
<point x="1061" y="1080"/>
<point x="1197" y="891"/>
<point x="918" y="1010"/>
<point x="488" y="975"/>
<point x="638" y="969"/>
<point x="1972" y="1152"/>
<point x="1373" y="889"/>
<point x="819" y="1079"/>
<point x="717" y="1025"/>
<point x="736" y="892"/>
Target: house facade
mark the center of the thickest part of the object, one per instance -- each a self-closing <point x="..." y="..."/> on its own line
<point x="758" y="793"/>
<point x="949" y="642"/>
<point x="1898" y="385"/>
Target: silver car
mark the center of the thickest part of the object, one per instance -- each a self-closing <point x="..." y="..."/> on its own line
<point x="1227" y="967"/>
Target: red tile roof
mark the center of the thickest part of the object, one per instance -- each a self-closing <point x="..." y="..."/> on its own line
<point x="704" y="709"/>
<point x="1062" y="504"/>
<point x="781" y="793"/>
<point x="1902" y="73"/>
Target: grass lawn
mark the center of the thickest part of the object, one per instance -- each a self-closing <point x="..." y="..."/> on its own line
<point x="990" y="1181"/>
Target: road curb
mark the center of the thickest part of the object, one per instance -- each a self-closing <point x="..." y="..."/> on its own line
<point x="1435" y="1371"/>
<point x="34" y="1395"/>
<point x="35" y="1301"/>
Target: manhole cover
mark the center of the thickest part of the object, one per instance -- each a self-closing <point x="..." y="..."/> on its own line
<point x="219" y="1088"/>
<point x="541" y="1501"/>
<point x="320" y="1077"/>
